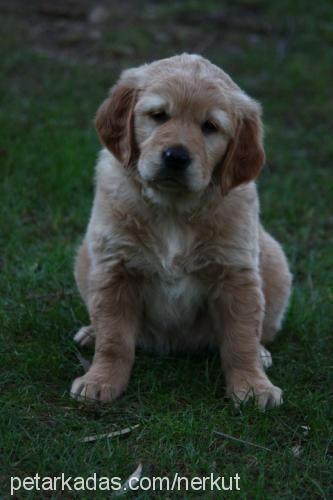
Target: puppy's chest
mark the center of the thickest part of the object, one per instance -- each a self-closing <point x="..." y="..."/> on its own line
<point x="172" y="293"/>
<point x="172" y="245"/>
<point x="169" y="287"/>
<point x="177" y="253"/>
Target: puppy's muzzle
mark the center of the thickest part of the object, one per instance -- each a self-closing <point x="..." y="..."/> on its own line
<point x="175" y="159"/>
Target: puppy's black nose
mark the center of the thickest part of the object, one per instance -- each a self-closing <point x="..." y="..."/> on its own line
<point x="176" y="157"/>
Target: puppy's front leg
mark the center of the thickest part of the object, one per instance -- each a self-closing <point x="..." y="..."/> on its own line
<point x="114" y="311"/>
<point x="238" y="310"/>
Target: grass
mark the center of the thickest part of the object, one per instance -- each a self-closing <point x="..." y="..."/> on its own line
<point x="280" y="53"/>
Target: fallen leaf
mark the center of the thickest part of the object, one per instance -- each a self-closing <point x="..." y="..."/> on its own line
<point x="130" y="482"/>
<point x="306" y="429"/>
<point x="296" y="450"/>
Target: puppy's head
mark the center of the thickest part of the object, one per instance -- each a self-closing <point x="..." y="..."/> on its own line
<point x="182" y="124"/>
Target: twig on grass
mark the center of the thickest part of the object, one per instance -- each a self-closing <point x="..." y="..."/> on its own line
<point x="121" y="432"/>
<point x="243" y="441"/>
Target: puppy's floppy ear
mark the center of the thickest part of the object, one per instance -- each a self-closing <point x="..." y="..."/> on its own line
<point x="115" y="123"/>
<point x="245" y="154"/>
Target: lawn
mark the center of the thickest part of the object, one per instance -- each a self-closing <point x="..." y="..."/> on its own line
<point x="56" y="66"/>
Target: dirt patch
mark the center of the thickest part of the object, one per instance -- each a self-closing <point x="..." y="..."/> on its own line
<point x="91" y="32"/>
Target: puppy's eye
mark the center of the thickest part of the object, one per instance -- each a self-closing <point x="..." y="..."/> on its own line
<point x="208" y="127"/>
<point x="159" y="116"/>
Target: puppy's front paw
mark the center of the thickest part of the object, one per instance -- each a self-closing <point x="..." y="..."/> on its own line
<point x="87" y="388"/>
<point x="242" y="387"/>
<point x="98" y="386"/>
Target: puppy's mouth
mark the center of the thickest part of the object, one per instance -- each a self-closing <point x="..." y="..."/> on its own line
<point x="169" y="183"/>
<point x="157" y="177"/>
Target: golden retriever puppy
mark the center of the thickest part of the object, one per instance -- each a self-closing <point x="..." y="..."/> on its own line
<point x="175" y="257"/>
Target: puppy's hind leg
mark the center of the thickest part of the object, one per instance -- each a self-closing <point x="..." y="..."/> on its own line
<point x="277" y="280"/>
<point x="86" y="335"/>
<point x="82" y="270"/>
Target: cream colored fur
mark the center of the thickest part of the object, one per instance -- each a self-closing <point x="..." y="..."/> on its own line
<point x="180" y="268"/>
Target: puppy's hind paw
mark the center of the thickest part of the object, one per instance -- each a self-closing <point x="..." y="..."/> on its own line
<point x="85" y="336"/>
<point x="266" y="358"/>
